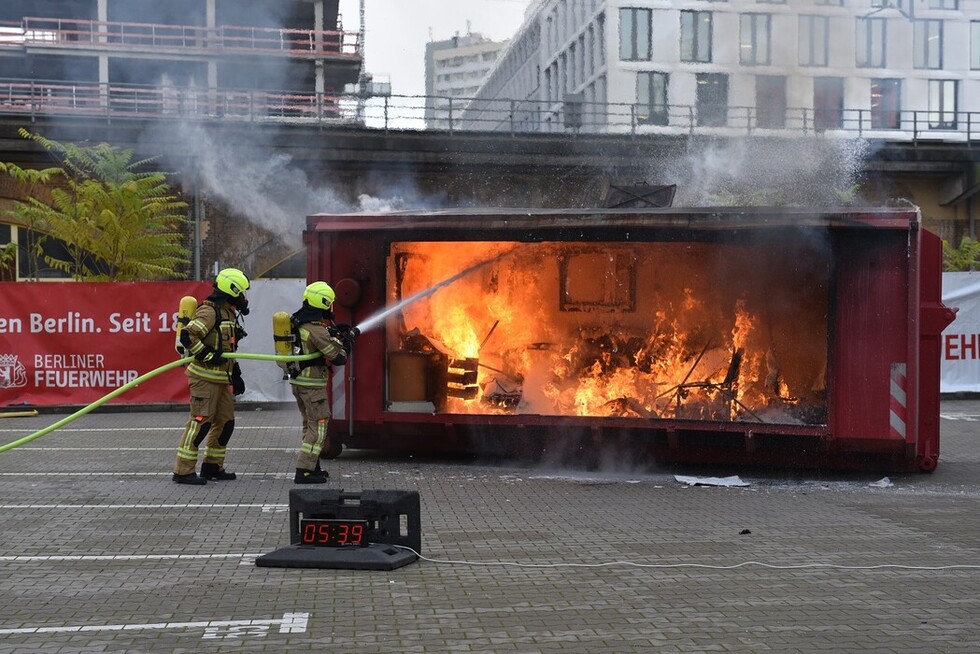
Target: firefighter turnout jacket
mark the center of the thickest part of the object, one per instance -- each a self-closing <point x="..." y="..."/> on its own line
<point x="213" y="326"/>
<point x="314" y="336"/>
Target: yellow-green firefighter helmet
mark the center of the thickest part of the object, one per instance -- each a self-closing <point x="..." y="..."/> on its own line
<point x="231" y="281"/>
<point x="319" y="295"/>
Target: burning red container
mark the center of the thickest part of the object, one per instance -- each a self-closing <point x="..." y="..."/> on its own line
<point x="766" y="336"/>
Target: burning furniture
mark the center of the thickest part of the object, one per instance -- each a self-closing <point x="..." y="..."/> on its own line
<point x="779" y="336"/>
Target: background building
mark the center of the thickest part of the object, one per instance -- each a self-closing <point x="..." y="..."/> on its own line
<point x="224" y="57"/>
<point x="179" y="63"/>
<point x="874" y="67"/>
<point x="454" y="71"/>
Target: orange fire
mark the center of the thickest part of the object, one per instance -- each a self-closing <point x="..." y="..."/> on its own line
<point x="646" y="330"/>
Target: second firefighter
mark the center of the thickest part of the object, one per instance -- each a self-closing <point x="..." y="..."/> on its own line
<point x="315" y="333"/>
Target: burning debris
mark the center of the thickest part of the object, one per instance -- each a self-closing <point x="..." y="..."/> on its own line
<point x="646" y="330"/>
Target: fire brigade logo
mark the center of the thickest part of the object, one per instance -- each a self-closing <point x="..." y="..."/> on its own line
<point x="13" y="374"/>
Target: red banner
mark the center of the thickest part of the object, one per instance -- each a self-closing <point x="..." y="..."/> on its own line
<point x="74" y="342"/>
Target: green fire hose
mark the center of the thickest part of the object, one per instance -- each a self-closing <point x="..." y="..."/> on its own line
<point x="136" y="382"/>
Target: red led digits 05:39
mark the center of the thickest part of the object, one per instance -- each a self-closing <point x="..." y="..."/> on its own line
<point x="333" y="533"/>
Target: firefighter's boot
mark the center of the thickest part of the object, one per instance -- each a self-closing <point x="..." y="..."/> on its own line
<point x="190" y="478"/>
<point x="214" y="472"/>
<point x="310" y="477"/>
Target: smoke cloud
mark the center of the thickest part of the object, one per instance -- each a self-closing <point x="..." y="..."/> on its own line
<point x="266" y="190"/>
<point x="754" y="172"/>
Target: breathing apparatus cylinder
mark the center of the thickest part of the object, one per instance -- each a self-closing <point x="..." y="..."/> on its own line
<point x="282" y="334"/>
<point x="185" y="311"/>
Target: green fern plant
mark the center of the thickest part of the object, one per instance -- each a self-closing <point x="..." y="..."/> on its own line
<point x="963" y="258"/>
<point x="117" y="220"/>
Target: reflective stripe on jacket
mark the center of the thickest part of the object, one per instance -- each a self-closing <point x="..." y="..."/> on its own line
<point x="314" y="337"/>
<point x="203" y="331"/>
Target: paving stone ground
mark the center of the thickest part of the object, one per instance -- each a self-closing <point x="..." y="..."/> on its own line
<point x="101" y="552"/>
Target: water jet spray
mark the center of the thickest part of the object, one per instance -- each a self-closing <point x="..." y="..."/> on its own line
<point x="376" y="319"/>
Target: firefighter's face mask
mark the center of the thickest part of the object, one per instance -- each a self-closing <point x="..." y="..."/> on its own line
<point x="240" y="303"/>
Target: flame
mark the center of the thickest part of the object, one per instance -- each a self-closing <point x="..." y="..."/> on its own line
<point x="638" y="330"/>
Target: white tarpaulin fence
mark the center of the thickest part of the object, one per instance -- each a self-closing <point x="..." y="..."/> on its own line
<point x="263" y="379"/>
<point x="960" y="370"/>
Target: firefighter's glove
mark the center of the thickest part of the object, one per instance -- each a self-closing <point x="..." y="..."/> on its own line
<point x="237" y="382"/>
<point x="208" y="354"/>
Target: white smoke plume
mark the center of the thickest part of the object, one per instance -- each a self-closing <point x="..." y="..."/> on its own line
<point x="267" y="190"/>
<point x="800" y="172"/>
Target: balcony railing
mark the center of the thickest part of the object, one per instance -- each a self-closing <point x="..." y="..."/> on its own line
<point x="121" y="101"/>
<point x="131" y="101"/>
<point x="73" y="34"/>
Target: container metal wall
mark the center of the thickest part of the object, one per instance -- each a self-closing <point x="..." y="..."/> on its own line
<point x="885" y="318"/>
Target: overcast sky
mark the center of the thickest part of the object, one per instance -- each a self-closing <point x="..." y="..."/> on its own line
<point x="397" y="31"/>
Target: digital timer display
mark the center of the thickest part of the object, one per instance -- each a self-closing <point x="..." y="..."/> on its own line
<point x="333" y="533"/>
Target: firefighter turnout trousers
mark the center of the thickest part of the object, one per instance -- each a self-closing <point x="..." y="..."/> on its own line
<point x="211" y="422"/>
<point x="312" y="403"/>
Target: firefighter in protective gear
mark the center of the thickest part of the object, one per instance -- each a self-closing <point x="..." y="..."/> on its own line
<point x="215" y="328"/>
<point x="316" y="333"/>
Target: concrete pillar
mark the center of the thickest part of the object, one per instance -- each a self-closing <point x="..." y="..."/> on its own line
<point x="318" y="81"/>
<point x="318" y="15"/>
<point x="102" y="15"/>
<point x="211" y="13"/>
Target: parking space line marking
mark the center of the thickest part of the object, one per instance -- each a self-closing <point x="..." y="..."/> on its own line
<point x="290" y="623"/>
<point x="149" y="449"/>
<point x="26" y="558"/>
<point x="176" y="429"/>
<point x="264" y="507"/>
<point x="153" y="473"/>
<point x="968" y="417"/>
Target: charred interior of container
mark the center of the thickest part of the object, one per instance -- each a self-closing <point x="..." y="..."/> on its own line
<point x="717" y="331"/>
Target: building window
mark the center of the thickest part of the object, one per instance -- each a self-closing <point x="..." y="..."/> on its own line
<point x="814" y="44"/>
<point x="886" y="4"/>
<point x="944" y="4"/>
<point x="975" y="45"/>
<point x="770" y="101"/>
<point x="696" y="36"/>
<point x="590" y="57"/>
<point x="886" y="103"/>
<point x="753" y="45"/>
<point x="33" y="249"/>
<point x="828" y="103"/>
<point x="712" y="99"/>
<point x="651" y="99"/>
<point x="634" y="34"/>
<point x="942" y="103"/>
<point x="600" y="24"/>
<point x="829" y="3"/>
<point x="927" y="44"/>
<point x="8" y="270"/>
<point x="870" y="42"/>
<point x="573" y="69"/>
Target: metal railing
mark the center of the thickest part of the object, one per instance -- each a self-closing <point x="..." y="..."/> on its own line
<point x="56" y="98"/>
<point x="74" y="34"/>
<point x="584" y="117"/>
<point x="37" y="99"/>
